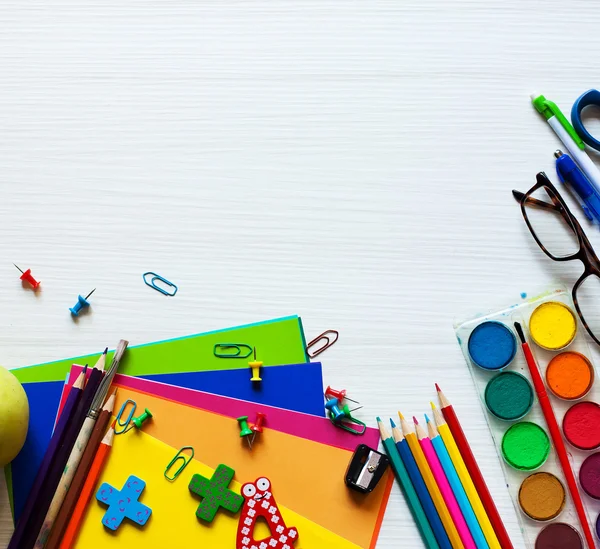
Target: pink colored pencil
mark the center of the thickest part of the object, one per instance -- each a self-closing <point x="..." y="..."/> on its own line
<point x="444" y="486"/>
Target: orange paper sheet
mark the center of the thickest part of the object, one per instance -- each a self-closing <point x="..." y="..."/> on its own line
<point x="308" y="476"/>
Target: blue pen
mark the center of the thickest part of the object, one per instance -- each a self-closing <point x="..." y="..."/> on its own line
<point x="570" y="174"/>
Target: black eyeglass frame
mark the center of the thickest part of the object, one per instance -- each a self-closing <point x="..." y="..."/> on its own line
<point x="585" y="254"/>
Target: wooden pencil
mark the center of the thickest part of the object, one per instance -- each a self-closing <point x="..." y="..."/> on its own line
<point x="40" y="479"/>
<point x="62" y="455"/>
<point x="457" y="487"/>
<point x="431" y="484"/>
<point x="66" y="510"/>
<point x="465" y="479"/>
<point x="444" y="486"/>
<point x="407" y="488"/>
<point x="420" y="487"/>
<point x="78" y="448"/>
<point x="87" y="490"/>
<point x="471" y="463"/>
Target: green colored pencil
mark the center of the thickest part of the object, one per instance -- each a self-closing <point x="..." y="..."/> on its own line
<point x="407" y="488"/>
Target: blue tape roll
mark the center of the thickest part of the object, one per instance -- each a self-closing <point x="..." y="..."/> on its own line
<point x="590" y="97"/>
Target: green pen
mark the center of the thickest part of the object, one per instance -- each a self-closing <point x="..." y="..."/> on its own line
<point x="407" y="488"/>
<point x="567" y="134"/>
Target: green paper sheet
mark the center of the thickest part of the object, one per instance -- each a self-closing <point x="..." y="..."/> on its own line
<point x="278" y="341"/>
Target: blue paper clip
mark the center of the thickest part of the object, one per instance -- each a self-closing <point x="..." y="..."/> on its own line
<point x="125" y="426"/>
<point x="153" y="285"/>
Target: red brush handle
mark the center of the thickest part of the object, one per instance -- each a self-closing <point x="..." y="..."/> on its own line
<point x="477" y="477"/>
<point x="559" y="444"/>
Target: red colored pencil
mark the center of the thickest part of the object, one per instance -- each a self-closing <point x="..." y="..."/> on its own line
<point x="471" y="463"/>
<point x="557" y="439"/>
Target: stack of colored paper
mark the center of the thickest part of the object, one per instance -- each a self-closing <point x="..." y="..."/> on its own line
<point x="195" y="398"/>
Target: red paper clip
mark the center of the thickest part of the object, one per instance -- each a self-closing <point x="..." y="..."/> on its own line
<point x="328" y="343"/>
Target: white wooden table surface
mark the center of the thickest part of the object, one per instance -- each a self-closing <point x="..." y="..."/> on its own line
<point x="351" y="162"/>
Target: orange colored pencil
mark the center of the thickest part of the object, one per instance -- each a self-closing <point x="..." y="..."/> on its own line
<point x="70" y="535"/>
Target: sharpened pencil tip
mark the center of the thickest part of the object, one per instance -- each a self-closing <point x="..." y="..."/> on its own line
<point x="415" y="421"/>
<point x="105" y="351"/>
<point x="432" y="405"/>
<point x="426" y="418"/>
<point x="392" y="423"/>
<point x="379" y="420"/>
<point x="437" y="388"/>
<point x="401" y="415"/>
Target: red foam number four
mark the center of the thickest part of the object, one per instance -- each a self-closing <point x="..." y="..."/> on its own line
<point x="259" y="502"/>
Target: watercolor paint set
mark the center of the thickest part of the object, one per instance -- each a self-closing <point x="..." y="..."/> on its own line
<point x="546" y="500"/>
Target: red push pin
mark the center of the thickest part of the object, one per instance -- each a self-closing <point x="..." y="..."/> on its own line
<point x="340" y="395"/>
<point x="28" y="278"/>
<point x="258" y="424"/>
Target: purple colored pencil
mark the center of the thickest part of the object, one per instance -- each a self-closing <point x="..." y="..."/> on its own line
<point x="62" y="455"/>
<point x="55" y="442"/>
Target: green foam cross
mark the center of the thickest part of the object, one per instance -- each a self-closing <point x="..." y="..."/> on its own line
<point x="215" y="493"/>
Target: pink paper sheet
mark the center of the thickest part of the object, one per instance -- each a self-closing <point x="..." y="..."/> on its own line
<point x="298" y="424"/>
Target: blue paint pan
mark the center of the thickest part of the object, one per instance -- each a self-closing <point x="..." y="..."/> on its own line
<point x="492" y="345"/>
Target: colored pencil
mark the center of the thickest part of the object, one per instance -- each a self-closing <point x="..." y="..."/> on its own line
<point x="457" y="487"/>
<point x="465" y="479"/>
<point x="407" y="488"/>
<point x="78" y="448"/>
<point x="91" y="480"/>
<point x="66" y="510"/>
<point x="432" y="487"/>
<point x="53" y="447"/>
<point x="419" y="485"/>
<point x="471" y="463"/>
<point x="444" y="486"/>
<point x="62" y="455"/>
<point x="557" y="439"/>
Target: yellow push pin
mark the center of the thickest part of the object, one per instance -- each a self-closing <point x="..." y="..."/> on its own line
<point x="255" y="365"/>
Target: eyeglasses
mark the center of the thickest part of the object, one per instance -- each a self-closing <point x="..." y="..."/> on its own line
<point x="561" y="238"/>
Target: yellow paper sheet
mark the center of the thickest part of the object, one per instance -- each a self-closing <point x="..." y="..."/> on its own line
<point x="173" y="523"/>
<point x="308" y="477"/>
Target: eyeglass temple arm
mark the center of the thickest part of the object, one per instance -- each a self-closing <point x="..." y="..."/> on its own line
<point x="519" y="196"/>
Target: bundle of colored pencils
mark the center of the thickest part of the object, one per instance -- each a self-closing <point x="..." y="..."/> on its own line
<point x="69" y="458"/>
<point x="442" y="483"/>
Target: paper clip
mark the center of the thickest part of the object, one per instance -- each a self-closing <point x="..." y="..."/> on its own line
<point x="342" y="418"/>
<point x="125" y="426"/>
<point x="325" y="337"/>
<point x="179" y="455"/>
<point x="231" y="350"/>
<point x="152" y="283"/>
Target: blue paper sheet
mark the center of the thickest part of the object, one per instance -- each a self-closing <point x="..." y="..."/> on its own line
<point x="297" y="387"/>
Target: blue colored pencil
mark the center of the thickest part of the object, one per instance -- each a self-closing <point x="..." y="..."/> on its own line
<point x="456" y="485"/>
<point x="419" y="484"/>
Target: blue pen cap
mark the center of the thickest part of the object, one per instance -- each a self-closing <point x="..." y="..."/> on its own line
<point x="570" y="174"/>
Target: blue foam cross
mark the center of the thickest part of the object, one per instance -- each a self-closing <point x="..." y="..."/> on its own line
<point x="124" y="503"/>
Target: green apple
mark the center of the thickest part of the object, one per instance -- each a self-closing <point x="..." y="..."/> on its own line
<point x="14" y="417"/>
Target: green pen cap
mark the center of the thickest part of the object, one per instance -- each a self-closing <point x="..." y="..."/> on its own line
<point x="548" y="109"/>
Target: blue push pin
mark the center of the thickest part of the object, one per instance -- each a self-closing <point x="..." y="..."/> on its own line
<point x="332" y="405"/>
<point x="82" y="302"/>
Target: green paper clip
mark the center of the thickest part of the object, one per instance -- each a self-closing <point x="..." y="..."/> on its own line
<point x="179" y="456"/>
<point x="349" y="423"/>
<point x="125" y="425"/>
<point x="220" y="349"/>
